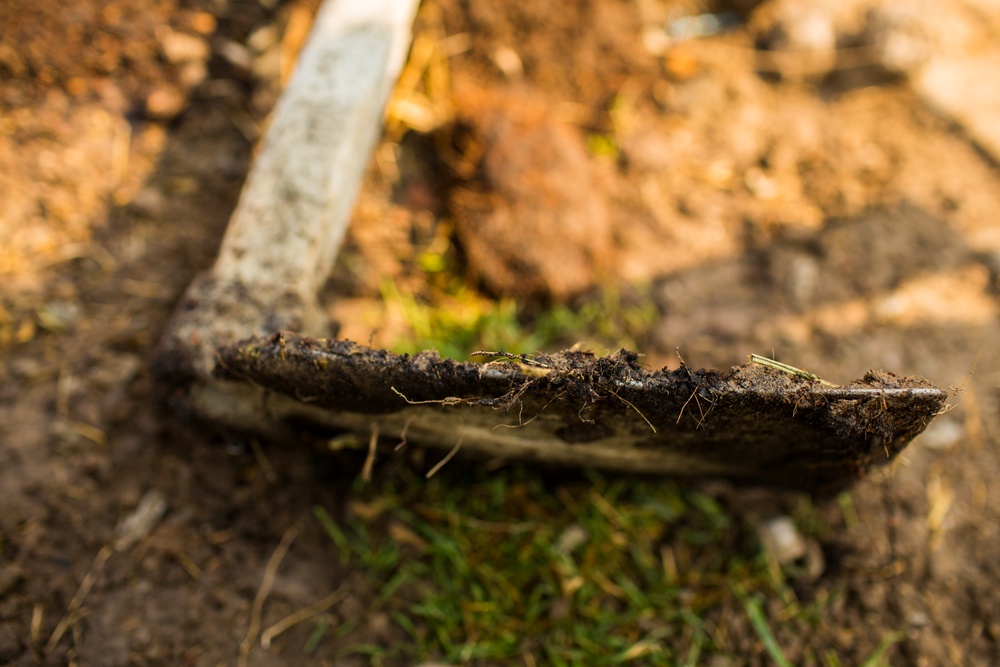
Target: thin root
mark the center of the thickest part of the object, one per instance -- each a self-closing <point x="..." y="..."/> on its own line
<point x="701" y="411"/>
<point x="73" y="611"/>
<point x="440" y="464"/>
<point x="615" y="394"/>
<point x="270" y="574"/>
<point x="402" y="435"/>
<point x="451" y="400"/>
<point x="366" y="469"/>
<point x="302" y="615"/>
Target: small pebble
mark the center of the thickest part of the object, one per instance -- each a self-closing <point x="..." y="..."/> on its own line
<point x="942" y="435"/>
<point x="179" y="48"/>
<point x="573" y="537"/>
<point x="508" y="62"/>
<point x="234" y="53"/>
<point x="789" y="548"/>
<point x="192" y="74"/>
<point x="165" y="103"/>
<point x="782" y="539"/>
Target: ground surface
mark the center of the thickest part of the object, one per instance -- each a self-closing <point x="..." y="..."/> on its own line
<point x="545" y="179"/>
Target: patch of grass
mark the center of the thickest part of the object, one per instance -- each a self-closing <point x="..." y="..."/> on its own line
<point x="459" y="322"/>
<point x="462" y="320"/>
<point x="512" y="568"/>
<point x="505" y="569"/>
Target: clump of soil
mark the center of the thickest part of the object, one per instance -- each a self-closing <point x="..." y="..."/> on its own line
<point x="534" y="174"/>
<point x="765" y="426"/>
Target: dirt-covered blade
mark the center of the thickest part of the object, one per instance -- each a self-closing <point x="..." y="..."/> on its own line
<point x="754" y="422"/>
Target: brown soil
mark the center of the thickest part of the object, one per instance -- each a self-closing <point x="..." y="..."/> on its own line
<point x="836" y="224"/>
<point x="766" y="426"/>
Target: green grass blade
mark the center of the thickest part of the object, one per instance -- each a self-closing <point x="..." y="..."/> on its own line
<point x="877" y="658"/>
<point x="756" y="614"/>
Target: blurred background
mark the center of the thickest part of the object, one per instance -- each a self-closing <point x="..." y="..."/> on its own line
<point x="813" y="181"/>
